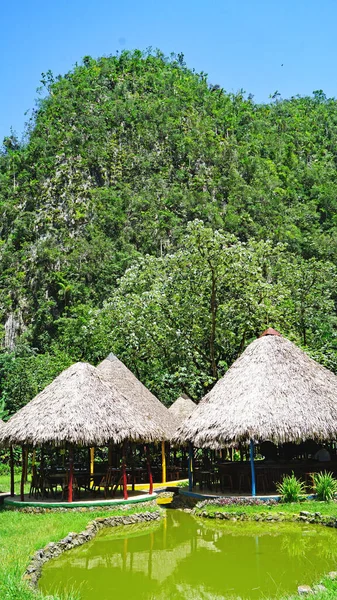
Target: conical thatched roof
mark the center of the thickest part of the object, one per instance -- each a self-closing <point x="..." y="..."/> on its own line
<point x="180" y="410"/>
<point x="77" y="407"/>
<point x="274" y="391"/>
<point x="146" y="408"/>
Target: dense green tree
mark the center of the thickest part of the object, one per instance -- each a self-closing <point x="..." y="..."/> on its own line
<point x="121" y="155"/>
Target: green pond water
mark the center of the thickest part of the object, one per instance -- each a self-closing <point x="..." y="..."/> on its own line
<point x="183" y="557"/>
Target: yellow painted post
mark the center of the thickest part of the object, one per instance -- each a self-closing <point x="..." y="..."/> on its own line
<point x="92" y="461"/>
<point x="163" y="463"/>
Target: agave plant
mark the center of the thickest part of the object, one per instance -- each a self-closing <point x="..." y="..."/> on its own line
<point x="291" y="489"/>
<point x="325" y="486"/>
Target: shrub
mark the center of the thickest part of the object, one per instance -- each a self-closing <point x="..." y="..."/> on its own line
<point x="325" y="486"/>
<point x="233" y="501"/>
<point x="291" y="489"/>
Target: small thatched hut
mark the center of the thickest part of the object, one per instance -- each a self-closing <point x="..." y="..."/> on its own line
<point x="76" y="408"/>
<point x="180" y="410"/>
<point x="145" y="406"/>
<point x="273" y="391"/>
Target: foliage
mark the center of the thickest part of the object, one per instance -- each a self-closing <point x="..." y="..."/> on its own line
<point x="149" y="212"/>
<point x="236" y="501"/>
<point x="182" y="319"/>
<point x="291" y="489"/>
<point x="325" y="486"/>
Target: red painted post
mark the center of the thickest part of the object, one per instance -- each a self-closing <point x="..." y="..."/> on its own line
<point x="71" y="474"/>
<point x="149" y="471"/>
<point x="125" y="481"/>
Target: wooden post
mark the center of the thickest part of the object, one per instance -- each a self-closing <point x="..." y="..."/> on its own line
<point x="110" y="455"/>
<point x="22" y="486"/>
<point x="163" y="463"/>
<point x="26" y="465"/>
<point x="149" y="470"/>
<point x="12" y="469"/>
<point x="252" y="467"/>
<point x="71" y="474"/>
<point x="125" y="481"/>
<point x="190" y="466"/>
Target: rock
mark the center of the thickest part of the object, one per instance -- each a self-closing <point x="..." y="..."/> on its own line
<point x="305" y="513"/>
<point x="319" y="588"/>
<point x="332" y="575"/>
<point x="304" y="590"/>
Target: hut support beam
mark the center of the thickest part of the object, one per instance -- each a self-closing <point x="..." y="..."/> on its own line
<point x="12" y="469"/>
<point x="92" y="465"/>
<point x="163" y="463"/>
<point x="149" y="471"/>
<point x="190" y="467"/>
<point x="23" y="477"/>
<point x="71" y="474"/>
<point x="252" y="467"/>
<point x="124" y="477"/>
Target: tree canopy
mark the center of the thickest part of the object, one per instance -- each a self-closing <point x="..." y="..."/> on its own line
<point x="152" y="213"/>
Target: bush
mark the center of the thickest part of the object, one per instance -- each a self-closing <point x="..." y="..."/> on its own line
<point x="291" y="489"/>
<point x="325" y="486"/>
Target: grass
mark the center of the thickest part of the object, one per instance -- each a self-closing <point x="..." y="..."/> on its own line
<point x="328" y="509"/>
<point x="21" y="534"/>
<point x="5" y="484"/>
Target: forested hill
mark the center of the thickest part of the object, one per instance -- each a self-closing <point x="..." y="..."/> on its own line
<point x="135" y="160"/>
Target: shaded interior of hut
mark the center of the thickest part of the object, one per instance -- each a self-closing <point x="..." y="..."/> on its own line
<point x="229" y="469"/>
<point x="102" y="471"/>
<point x="119" y="470"/>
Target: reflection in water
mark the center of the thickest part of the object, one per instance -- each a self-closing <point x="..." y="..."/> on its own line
<point x="187" y="558"/>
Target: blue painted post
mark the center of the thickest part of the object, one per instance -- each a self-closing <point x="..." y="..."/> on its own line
<point x="190" y="467"/>
<point x="252" y="467"/>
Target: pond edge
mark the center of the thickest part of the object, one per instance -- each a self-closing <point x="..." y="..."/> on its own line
<point x="72" y="540"/>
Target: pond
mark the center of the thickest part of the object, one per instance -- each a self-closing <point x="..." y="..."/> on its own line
<point x="183" y="557"/>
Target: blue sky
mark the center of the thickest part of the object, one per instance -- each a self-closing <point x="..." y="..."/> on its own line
<point x="240" y="44"/>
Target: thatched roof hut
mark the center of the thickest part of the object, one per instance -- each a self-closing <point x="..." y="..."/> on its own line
<point x="273" y="391"/>
<point x="145" y="407"/>
<point x="180" y="410"/>
<point x="76" y="408"/>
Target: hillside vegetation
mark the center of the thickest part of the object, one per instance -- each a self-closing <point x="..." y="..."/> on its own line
<point x="153" y="214"/>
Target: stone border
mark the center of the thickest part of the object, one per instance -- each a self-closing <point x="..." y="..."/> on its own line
<point x="72" y="540"/>
<point x="304" y="516"/>
<point x="87" y="508"/>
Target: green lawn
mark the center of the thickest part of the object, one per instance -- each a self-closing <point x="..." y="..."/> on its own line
<point x="325" y="508"/>
<point x="5" y="483"/>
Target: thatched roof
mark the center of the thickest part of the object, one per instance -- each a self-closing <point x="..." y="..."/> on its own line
<point x="77" y="407"/>
<point x="146" y="408"/>
<point x="180" y="410"/>
<point x="274" y="391"/>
